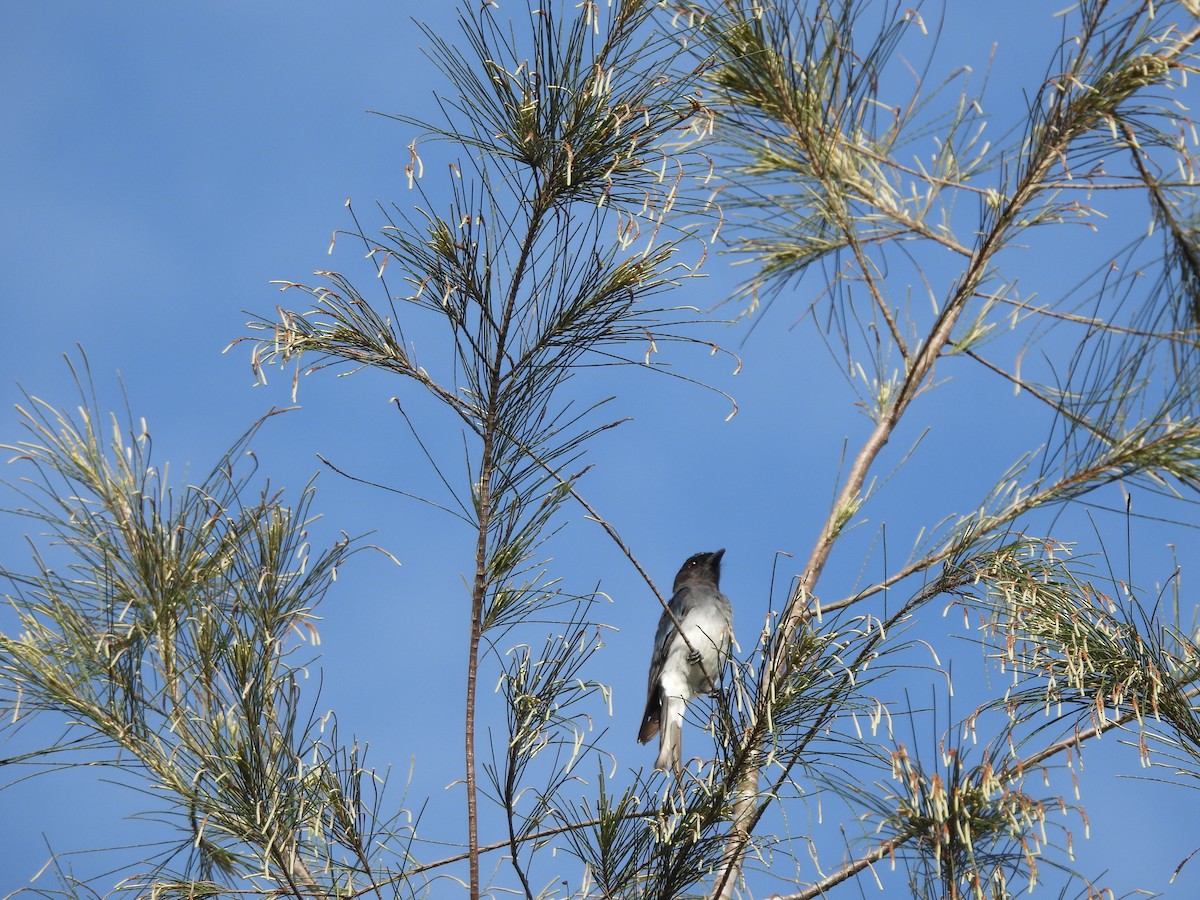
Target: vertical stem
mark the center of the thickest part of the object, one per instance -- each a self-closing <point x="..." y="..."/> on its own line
<point x="483" y="574"/>
<point x="478" y="595"/>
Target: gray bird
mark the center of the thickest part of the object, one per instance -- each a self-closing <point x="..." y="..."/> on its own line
<point x="677" y="673"/>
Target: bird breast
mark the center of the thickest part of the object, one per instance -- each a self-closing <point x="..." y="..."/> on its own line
<point x="708" y="632"/>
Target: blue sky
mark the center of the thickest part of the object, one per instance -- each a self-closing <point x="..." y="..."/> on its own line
<point x="162" y="164"/>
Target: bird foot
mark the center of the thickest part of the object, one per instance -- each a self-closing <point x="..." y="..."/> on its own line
<point x="693" y="658"/>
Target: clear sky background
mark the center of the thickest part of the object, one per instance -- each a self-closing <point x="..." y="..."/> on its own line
<point x="162" y="163"/>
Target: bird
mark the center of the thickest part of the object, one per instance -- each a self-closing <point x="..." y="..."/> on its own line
<point x="679" y="669"/>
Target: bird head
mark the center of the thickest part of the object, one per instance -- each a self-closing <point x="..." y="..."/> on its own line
<point x="703" y="568"/>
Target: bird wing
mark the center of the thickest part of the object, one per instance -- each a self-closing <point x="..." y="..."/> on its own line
<point x="663" y="639"/>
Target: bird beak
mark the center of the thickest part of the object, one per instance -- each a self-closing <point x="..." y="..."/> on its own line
<point x="716" y="557"/>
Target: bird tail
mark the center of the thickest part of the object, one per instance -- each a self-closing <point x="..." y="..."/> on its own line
<point x="670" y="735"/>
